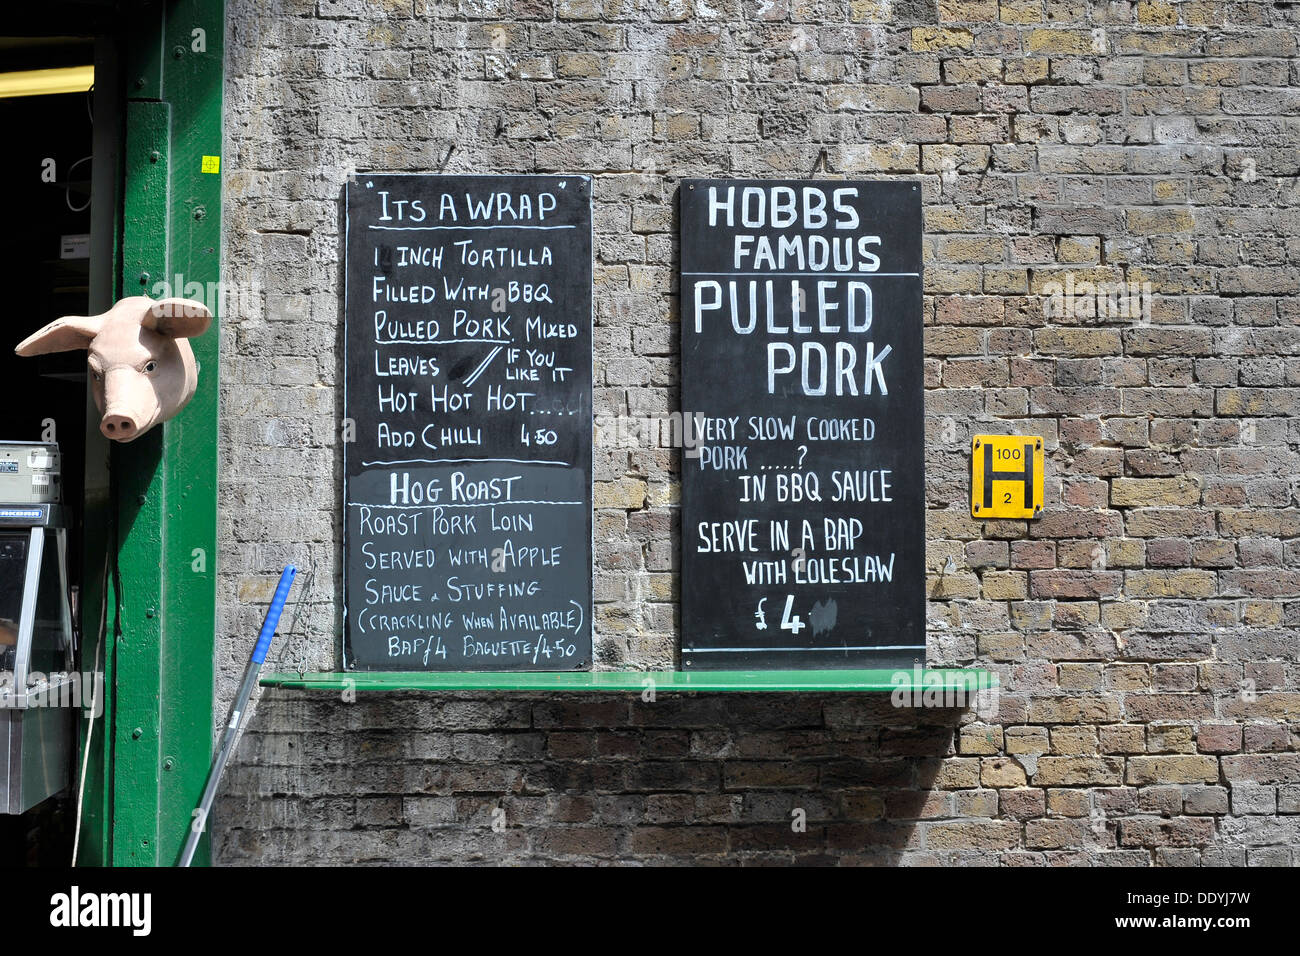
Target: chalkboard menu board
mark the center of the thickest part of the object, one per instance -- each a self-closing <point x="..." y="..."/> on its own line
<point x="467" y="473"/>
<point x="803" y="486"/>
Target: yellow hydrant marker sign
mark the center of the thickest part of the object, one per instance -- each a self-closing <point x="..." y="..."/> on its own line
<point x="1006" y="476"/>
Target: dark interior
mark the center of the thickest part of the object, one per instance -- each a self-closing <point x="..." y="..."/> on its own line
<point x="44" y="257"/>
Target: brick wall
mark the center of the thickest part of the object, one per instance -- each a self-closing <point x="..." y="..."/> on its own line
<point x="1144" y="628"/>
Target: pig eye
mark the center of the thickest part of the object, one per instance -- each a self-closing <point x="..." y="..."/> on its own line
<point x="94" y="373"/>
<point x="150" y="367"/>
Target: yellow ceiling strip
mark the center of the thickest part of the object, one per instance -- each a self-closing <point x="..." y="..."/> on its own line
<point x="67" y="79"/>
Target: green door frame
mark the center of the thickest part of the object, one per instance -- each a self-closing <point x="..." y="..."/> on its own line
<point x="157" y="517"/>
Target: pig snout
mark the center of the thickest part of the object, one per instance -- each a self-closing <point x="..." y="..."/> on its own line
<point x="130" y="405"/>
<point x="119" y="427"/>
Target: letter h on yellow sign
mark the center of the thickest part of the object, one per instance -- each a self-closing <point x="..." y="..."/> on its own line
<point x="1006" y="476"/>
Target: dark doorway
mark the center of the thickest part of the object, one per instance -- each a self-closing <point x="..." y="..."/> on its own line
<point x="45" y="266"/>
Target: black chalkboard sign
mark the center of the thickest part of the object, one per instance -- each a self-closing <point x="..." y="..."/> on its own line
<point x="803" y="486"/>
<point x="467" y="473"/>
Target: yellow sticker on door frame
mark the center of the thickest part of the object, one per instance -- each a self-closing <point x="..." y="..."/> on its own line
<point x="1006" y="476"/>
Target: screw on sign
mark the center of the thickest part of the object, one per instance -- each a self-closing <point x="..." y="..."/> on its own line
<point x="1006" y="476"/>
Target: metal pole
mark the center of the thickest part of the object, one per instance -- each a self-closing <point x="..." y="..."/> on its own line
<point x="200" y="819"/>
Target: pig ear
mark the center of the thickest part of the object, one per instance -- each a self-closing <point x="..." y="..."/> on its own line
<point x="62" y="335"/>
<point x="179" y="318"/>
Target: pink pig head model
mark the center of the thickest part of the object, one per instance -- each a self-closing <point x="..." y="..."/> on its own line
<point x="141" y="367"/>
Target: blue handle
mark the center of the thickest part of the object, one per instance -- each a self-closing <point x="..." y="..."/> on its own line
<point x="273" y="614"/>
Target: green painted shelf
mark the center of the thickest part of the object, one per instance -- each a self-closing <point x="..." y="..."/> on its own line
<point x="821" y="681"/>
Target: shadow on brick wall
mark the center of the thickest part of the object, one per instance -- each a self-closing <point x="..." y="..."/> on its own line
<point x="684" y="779"/>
